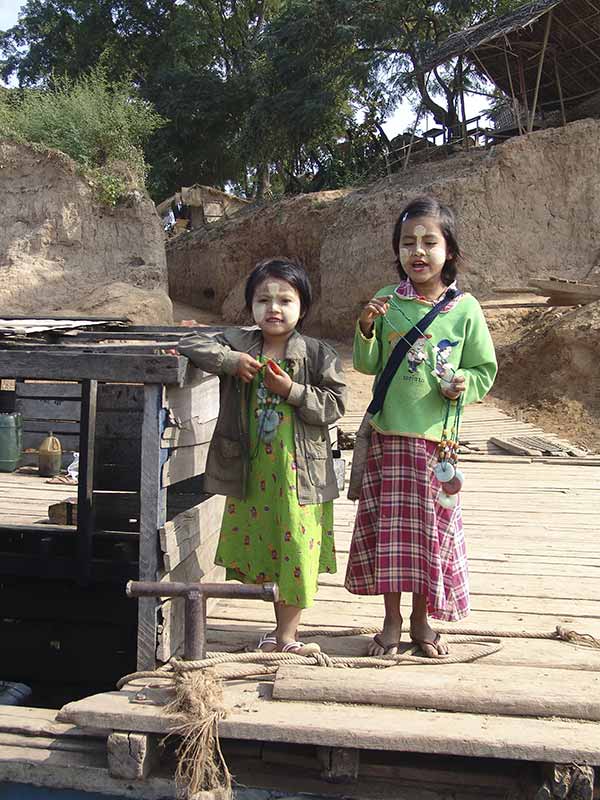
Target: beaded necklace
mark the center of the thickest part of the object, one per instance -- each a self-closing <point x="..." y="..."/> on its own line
<point x="267" y="415"/>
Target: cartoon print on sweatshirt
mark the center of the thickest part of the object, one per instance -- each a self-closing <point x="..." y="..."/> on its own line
<point x="442" y="352"/>
<point x="417" y="354"/>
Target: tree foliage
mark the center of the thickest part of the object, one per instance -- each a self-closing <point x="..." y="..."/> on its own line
<point x="264" y="95"/>
<point x="95" y="122"/>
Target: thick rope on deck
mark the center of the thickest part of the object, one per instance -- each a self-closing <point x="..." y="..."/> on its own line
<point x="198" y="703"/>
<point x="483" y="643"/>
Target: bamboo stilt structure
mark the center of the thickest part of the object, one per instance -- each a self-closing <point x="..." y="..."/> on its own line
<point x="539" y="70"/>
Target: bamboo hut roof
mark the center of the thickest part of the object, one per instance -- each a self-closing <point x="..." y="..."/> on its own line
<point x="497" y="47"/>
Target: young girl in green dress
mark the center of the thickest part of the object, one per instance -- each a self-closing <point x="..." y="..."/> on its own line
<point x="270" y="453"/>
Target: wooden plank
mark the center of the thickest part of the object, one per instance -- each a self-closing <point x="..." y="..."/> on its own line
<point x="46" y="390"/>
<point x="152" y="516"/>
<point x="39" y="409"/>
<point x="253" y="717"/>
<point x="53" y="743"/>
<point x="131" y="756"/>
<point x="78" y="773"/>
<point x="85" y="486"/>
<point x="61" y="427"/>
<point x="184" y="463"/>
<point x="359" y="616"/>
<point x="115" y="367"/>
<point x="205" y="516"/>
<point x="513" y="447"/>
<point x="178" y="552"/>
<point x="203" y="543"/>
<point x="199" y="401"/>
<point x="515" y="691"/>
<point x="114" y="397"/>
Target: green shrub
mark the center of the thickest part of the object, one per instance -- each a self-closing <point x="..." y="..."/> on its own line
<point x="89" y="119"/>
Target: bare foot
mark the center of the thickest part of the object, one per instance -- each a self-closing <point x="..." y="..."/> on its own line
<point x="430" y="642"/>
<point x="386" y="643"/>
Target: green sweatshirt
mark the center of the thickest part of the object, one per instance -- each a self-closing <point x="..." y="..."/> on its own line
<point x="459" y="336"/>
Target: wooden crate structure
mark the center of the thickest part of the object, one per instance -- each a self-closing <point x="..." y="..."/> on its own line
<point x="141" y="419"/>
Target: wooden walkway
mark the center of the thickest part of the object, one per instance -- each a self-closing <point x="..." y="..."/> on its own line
<point x="25" y="497"/>
<point x="532" y="536"/>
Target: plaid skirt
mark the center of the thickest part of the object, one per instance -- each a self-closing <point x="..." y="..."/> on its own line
<point x="404" y="541"/>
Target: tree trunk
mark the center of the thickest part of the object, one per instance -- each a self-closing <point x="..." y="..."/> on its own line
<point x="262" y="185"/>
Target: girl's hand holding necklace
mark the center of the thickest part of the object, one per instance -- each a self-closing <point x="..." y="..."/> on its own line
<point x="457" y="388"/>
<point x="276" y="380"/>
<point x="377" y="307"/>
<point x="247" y="367"/>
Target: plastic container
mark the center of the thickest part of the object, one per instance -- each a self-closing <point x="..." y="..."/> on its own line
<point x="50" y="457"/>
<point x="11" y="441"/>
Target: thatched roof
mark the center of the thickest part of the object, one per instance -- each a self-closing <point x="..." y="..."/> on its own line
<point x="516" y="40"/>
<point x="462" y="42"/>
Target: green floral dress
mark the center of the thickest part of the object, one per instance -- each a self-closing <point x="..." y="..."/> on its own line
<point x="269" y="536"/>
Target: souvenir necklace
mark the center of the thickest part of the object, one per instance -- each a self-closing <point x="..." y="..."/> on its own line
<point x="446" y="470"/>
<point x="267" y="415"/>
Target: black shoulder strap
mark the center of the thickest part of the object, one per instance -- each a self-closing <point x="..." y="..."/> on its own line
<point x="402" y="349"/>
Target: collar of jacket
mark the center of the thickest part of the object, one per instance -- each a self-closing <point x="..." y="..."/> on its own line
<point x="251" y="341"/>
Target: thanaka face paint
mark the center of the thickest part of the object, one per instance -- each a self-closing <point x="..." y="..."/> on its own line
<point x="423" y="252"/>
<point x="276" y="307"/>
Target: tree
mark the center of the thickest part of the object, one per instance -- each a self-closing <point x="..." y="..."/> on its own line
<point x="402" y="36"/>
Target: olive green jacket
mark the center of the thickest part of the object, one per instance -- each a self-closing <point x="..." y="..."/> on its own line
<point x="318" y="395"/>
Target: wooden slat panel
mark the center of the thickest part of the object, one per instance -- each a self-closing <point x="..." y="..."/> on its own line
<point x="199" y="401"/>
<point x="183" y="463"/>
<point x="120" y="397"/>
<point x="160" y="369"/>
<point x="153" y="502"/>
<point x="38" y="408"/>
<point x="45" y="390"/>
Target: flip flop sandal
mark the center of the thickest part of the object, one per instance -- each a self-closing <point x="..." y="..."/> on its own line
<point x="386" y="647"/>
<point x="296" y="647"/>
<point x="434" y="643"/>
<point x="268" y="638"/>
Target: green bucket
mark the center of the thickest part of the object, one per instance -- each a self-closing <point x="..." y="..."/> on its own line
<point x="11" y="441"/>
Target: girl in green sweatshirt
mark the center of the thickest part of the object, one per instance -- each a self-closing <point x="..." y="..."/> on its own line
<point x="404" y="539"/>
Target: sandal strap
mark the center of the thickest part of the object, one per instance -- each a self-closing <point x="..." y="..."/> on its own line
<point x="291" y="646"/>
<point x="268" y="638"/>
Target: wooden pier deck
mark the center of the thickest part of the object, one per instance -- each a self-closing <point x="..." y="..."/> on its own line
<point x="25" y="497"/>
<point x="532" y="537"/>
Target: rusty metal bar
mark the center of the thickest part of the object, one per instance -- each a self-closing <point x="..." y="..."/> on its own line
<point x="195" y="626"/>
<point x="250" y="591"/>
<point x="195" y="595"/>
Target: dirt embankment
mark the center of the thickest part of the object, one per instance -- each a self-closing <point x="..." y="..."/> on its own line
<point x="528" y="207"/>
<point x="63" y="252"/>
<point x="550" y="369"/>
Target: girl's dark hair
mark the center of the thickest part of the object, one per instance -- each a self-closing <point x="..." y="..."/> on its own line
<point x="285" y="269"/>
<point x="427" y="206"/>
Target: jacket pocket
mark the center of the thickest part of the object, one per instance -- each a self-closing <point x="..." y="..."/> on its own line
<point x="317" y="459"/>
<point x="225" y="459"/>
<point x="228" y="448"/>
